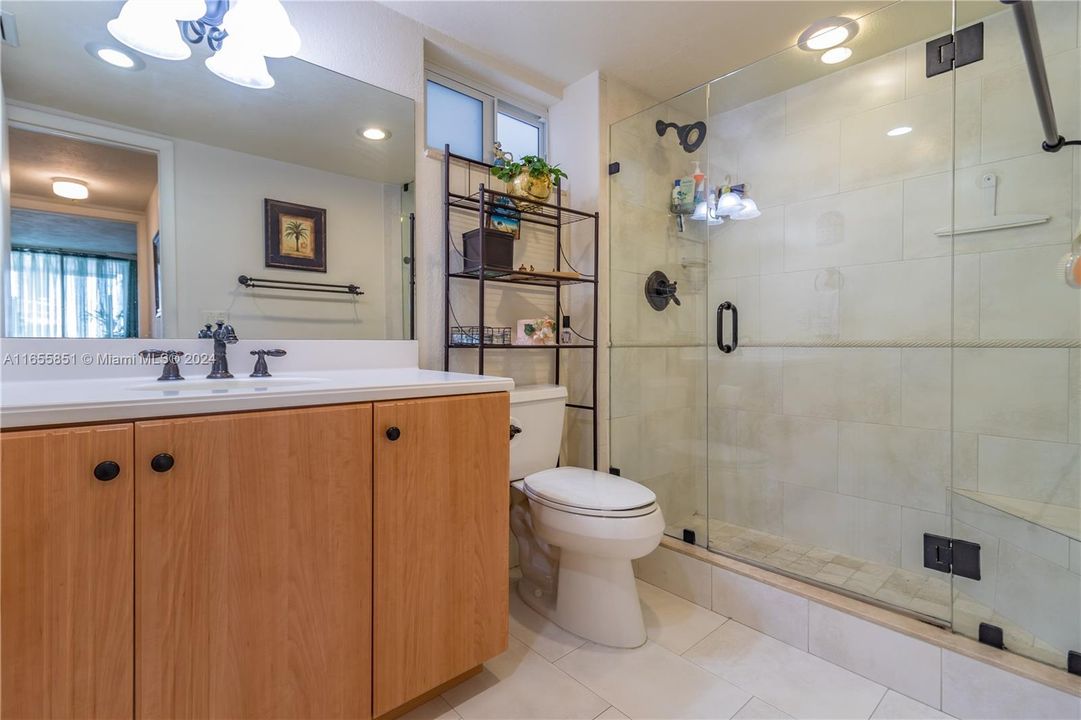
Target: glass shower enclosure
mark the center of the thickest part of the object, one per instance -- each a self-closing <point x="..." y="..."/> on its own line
<point x="875" y="349"/>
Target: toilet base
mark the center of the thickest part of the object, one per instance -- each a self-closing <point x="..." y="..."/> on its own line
<point x="596" y="599"/>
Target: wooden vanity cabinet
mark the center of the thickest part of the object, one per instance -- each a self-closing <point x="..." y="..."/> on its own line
<point x="254" y="567"/>
<point x="233" y="565"/>
<point x="441" y="525"/>
<point x="66" y="554"/>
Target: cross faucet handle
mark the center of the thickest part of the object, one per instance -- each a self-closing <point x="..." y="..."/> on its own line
<point x="170" y="371"/>
<point x="261" y="369"/>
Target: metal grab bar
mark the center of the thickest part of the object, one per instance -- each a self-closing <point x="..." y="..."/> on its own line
<point x="1025" y="16"/>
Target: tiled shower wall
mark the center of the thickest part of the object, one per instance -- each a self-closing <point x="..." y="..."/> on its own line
<point x="850" y="449"/>
<point x="855" y="449"/>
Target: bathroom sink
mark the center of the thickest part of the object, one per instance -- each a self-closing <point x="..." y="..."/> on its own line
<point x="240" y="384"/>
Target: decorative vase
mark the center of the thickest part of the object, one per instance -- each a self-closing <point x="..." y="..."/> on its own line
<point x="537" y="189"/>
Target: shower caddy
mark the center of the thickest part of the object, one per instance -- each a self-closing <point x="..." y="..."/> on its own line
<point x="485" y="202"/>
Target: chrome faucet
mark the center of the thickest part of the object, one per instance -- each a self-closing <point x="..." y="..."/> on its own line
<point x="222" y="335"/>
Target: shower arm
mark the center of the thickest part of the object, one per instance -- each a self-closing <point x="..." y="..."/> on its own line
<point x="1025" y="16"/>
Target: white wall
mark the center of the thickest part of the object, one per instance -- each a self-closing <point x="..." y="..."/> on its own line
<point x="5" y="209"/>
<point x="219" y="203"/>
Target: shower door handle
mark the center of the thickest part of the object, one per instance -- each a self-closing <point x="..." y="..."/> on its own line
<point x="721" y="345"/>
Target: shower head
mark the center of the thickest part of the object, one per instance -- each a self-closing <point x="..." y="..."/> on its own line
<point x="691" y="136"/>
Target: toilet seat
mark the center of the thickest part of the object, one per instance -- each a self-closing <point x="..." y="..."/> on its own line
<point x="589" y="492"/>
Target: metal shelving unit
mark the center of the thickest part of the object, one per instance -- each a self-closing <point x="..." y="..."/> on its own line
<point x="482" y="203"/>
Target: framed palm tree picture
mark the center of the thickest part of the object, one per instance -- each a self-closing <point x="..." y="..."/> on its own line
<point x="296" y="236"/>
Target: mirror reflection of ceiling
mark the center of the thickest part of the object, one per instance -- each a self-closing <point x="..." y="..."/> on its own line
<point x="57" y="231"/>
<point x="880" y="32"/>
<point x="311" y="117"/>
<point x="116" y="177"/>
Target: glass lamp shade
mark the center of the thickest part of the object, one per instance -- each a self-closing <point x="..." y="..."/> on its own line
<point x="749" y="211"/>
<point x="264" y="26"/>
<point x="729" y="203"/>
<point x="150" y="26"/>
<point x="241" y="64"/>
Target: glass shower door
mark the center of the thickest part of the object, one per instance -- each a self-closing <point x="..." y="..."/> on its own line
<point x="658" y="344"/>
<point x="1017" y="333"/>
<point x="829" y="419"/>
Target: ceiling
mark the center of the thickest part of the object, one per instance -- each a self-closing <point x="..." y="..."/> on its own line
<point x="117" y="177"/>
<point x="56" y="231"/>
<point x="660" y="48"/>
<point x="311" y="116"/>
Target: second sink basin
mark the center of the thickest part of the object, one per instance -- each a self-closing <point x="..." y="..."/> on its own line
<point x="239" y="384"/>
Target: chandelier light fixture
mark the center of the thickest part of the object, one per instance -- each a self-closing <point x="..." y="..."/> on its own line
<point x="241" y="34"/>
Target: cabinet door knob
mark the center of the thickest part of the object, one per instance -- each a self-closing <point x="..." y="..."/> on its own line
<point x="393" y="433"/>
<point x="107" y="470"/>
<point x="162" y="462"/>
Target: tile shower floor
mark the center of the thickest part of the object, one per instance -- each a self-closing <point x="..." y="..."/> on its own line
<point x="920" y="593"/>
<point x="696" y="664"/>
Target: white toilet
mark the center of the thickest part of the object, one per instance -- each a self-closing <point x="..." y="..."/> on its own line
<point x="577" y="529"/>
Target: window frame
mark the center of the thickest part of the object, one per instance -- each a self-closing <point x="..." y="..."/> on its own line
<point x="487" y="113"/>
<point x="494" y="102"/>
<point x="503" y="107"/>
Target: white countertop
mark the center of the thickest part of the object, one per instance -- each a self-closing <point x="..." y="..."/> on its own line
<point x="45" y="402"/>
<point x="315" y="373"/>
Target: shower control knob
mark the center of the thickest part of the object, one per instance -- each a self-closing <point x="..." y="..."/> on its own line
<point x="393" y="433"/>
<point x="107" y="470"/>
<point x="162" y="462"/>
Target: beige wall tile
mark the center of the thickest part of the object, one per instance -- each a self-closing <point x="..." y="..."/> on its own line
<point x="850" y="228"/>
<point x="904" y="466"/>
<point x="759" y="606"/>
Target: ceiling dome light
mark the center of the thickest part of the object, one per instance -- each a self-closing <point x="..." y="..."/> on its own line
<point x="902" y="130"/>
<point x="374" y="133"/>
<point x="827" y="33"/>
<point x="836" y="55"/>
<point x="827" y="37"/>
<point x="70" y="189"/>
<point x="150" y="26"/>
<point x="115" y="57"/>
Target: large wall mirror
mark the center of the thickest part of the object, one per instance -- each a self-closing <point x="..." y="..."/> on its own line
<point x="143" y="189"/>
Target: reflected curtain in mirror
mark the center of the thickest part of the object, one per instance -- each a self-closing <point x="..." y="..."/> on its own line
<point x="57" y="294"/>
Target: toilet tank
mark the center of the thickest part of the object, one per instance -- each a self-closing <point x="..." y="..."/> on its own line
<point x="538" y="411"/>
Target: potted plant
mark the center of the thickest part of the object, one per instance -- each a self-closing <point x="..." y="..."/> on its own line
<point x="531" y="177"/>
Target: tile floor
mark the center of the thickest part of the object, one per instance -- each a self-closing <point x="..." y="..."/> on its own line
<point x="902" y="588"/>
<point x="696" y="664"/>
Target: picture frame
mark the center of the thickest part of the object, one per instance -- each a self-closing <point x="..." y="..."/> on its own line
<point x="505" y="217"/>
<point x="296" y="236"/>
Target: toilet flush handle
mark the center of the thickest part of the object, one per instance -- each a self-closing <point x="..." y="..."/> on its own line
<point x="515" y="430"/>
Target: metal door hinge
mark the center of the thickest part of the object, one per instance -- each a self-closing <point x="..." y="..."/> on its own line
<point x="949" y="555"/>
<point x="955" y="50"/>
<point x="9" y="31"/>
<point x="613" y="168"/>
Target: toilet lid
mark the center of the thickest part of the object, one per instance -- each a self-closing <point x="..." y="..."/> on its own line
<point x="589" y="489"/>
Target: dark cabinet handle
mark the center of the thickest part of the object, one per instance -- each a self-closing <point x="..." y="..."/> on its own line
<point x="162" y="462"/>
<point x="107" y="470"/>
<point x="721" y="345"/>
<point x="393" y="433"/>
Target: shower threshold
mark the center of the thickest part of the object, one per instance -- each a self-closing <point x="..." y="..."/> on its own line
<point x="916" y="593"/>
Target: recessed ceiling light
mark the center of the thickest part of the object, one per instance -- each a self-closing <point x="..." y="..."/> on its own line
<point x="374" y="133"/>
<point x="836" y="55"/>
<point x="827" y="37"/>
<point x="70" y="189"/>
<point x="902" y="130"/>
<point x="827" y="33"/>
<point x="115" y="57"/>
